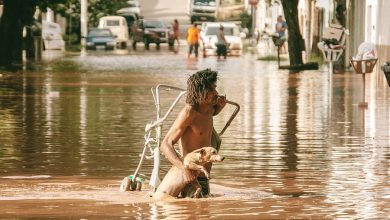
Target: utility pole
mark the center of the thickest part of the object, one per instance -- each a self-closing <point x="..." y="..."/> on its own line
<point x="308" y="28"/>
<point x="253" y="4"/>
<point x="84" y="24"/>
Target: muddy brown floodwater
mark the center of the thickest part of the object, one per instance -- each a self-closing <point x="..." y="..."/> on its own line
<point x="300" y="148"/>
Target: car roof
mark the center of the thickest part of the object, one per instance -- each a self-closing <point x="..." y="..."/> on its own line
<point x="112" y="17"/>
<point x="152" y="20"/>
<point x="217" y="24"/>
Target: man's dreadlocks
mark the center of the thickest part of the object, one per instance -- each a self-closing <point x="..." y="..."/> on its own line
<point x="199" y="84"/>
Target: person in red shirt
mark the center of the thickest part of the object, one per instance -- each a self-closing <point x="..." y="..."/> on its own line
<point x="176" y="33"/>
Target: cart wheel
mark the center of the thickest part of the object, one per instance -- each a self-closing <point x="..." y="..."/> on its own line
<point x="125" y="185"/>
<point x="139" y="186"/>
<point x="133" y="185"/>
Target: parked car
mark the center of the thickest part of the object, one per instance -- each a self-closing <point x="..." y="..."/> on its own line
<point x="100" y="39"/>
<point x="208" y="37"/>
<point x="131" y="18"/>
<point x="151" y="31"/>
<point x="118" y="26"/>
<point x="52" y="36"/>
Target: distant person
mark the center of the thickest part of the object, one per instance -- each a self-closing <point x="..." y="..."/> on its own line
<point x="221" y="43"/>
<point x="193" y="40"/>
<point x="176" y="33"/>
<point x="280" y="29"/>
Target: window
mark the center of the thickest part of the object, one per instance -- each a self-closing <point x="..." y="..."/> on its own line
<point x="112" y="22"/>
<point x="205" y="2"/>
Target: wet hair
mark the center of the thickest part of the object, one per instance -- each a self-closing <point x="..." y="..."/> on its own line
<point x="199" y="84"/>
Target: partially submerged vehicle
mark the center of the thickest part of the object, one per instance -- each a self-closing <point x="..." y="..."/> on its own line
<point x="118" y="26"/>
<point x="100" y="38"/>
<point x="233" y="36"/>
<point x="215" y="10"/>
<point x="151" y="31"/>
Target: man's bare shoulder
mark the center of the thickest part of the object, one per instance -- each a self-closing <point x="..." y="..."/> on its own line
<point x="188" y="111"/>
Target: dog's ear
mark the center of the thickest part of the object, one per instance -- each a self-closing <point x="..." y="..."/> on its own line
<point x="200" y="150"/>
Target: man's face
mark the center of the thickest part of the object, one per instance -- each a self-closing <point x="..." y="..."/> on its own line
<point x="212" y="95"/>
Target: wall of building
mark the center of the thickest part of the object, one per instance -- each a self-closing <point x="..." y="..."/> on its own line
<point x="357" y="25"/>
<point x="382" y="24"/>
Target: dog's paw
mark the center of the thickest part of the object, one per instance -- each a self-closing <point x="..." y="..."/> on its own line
<point x="197" y="195"/>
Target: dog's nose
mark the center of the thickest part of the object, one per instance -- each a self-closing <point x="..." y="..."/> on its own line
<point x="222" y="158"/>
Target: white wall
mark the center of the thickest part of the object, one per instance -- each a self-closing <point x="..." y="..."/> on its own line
<point x="370" y="21"/>
<point x="326" y="5"/>
<point x="382" y="25"/>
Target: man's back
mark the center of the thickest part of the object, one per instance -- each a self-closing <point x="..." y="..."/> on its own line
<point x="193" y="35"/>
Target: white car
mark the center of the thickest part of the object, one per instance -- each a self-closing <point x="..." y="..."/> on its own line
<point x="208" y="37"/>
<point x="118" y="26"/>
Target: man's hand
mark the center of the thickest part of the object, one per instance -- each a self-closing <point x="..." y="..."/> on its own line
<point x="221" y="102"/>
<point x="189" y="175"/>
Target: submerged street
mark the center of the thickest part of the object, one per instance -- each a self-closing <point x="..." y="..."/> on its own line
<point x="299" y="147"/>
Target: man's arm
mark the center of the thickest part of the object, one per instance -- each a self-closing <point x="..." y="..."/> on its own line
<point x="172" y="137"/>
<point x="182" y="122"/>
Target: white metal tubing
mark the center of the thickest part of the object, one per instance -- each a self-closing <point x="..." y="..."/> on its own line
<point x="364" y="89"/>
<point x="160" y="120"/>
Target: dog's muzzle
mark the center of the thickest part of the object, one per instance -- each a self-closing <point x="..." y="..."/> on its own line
<point x="218" y="158"/>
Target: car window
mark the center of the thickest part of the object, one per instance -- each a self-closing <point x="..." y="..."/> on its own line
<point x="153" y="24"/>
<point x="229" y="31"/>
<point x="205" y="2"/>
<point x="100" y="33"/>
<point x="112" y="22"/>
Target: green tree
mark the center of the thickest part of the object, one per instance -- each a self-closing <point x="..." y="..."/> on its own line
<point x="18" y="14"/>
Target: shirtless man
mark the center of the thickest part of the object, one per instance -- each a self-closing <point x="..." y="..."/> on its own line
<point x="193" y="127"/>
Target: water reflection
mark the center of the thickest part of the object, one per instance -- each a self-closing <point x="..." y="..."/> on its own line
<point x="89" y="120"/>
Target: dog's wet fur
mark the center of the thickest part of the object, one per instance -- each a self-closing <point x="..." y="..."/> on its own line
<point x="173" y="182"/>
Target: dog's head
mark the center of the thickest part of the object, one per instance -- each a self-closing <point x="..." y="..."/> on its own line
<point x="206" y="155"/>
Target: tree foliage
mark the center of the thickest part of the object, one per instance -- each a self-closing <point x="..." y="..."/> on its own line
<point x="96" y="8"/>
<point x="18" y="14"/>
